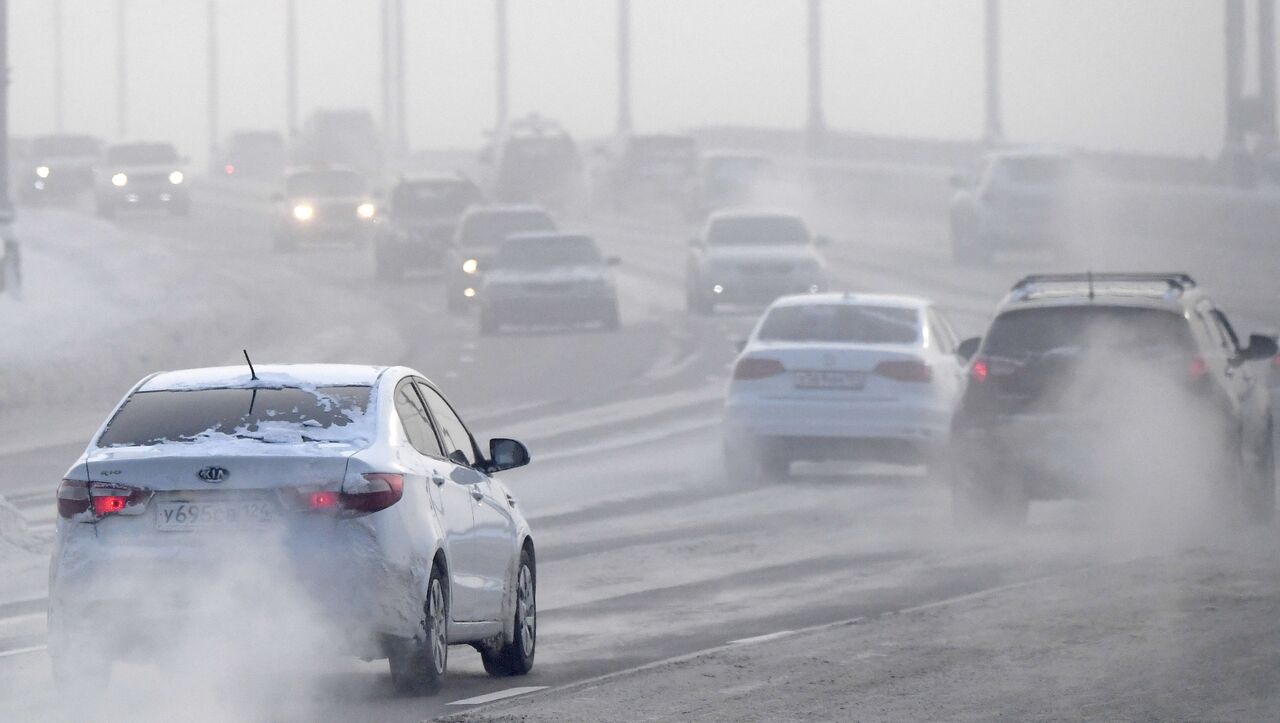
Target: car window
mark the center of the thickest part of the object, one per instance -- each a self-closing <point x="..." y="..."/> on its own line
<point x="416" y="421"/>
<point x="1232" y="342"/>
<point x="841" y="323"/>
<point x="757" y="231"/>
<point x="1025" y="333"/>
<point x="549" y="252"/>
<point x="489" y="228"/>
<point x="453" y="432"/>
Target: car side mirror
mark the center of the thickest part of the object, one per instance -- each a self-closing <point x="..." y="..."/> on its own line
<point x="968" y="348"/>
<point x="1260" y="347"/>
<point x="613" y="261"/>
<point x="507" y="454"/>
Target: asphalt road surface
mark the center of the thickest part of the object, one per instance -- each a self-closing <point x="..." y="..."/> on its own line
<point x="646" y="550"/>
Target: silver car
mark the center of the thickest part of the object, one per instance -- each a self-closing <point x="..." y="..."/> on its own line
<point x="752" y="257"/>
<point x="352" y="497"/>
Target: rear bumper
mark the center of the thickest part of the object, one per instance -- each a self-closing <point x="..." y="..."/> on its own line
<point x="921" y="424"/>
<point x="534" y="309"/>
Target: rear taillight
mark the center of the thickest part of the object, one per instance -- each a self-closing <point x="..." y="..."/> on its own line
<point x="1198" y="369"/>
<point x="73" y="497"/>
<point x="979" y="370"/>
<point x="757" y="368"/>
<point x="984" y="368"/>
<point x="322" y="500"/>
<point x="904" y="370"/>
<point x="372" y="492"/>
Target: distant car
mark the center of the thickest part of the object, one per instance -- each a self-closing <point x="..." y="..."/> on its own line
<point x="352" y="497"/>
<point x="346" y="137"/>
<point x="475" y="241"/>
<point x="256" y="155"/>
<point x="729" y="179"/>
<point x="652" y="169"/>
<point x="548" y="278"/>
<point x="537" y="161"/>
<point x="141" y="175"/>
<point x="1085" y="383"/>
<point x="752" y="257"/>
<point x="1022" y="199"/>
<point x="418" y="222"/>
<point x="324" y="205"/>
<point x="59" y="167"/>
<point x="841" y="377"/>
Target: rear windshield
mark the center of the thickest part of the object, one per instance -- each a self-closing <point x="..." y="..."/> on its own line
<point x="325" y="183"/>
<point x="489" y="229"/>
<point x="842" y="323"/>
<point x="549" y="253"/>
<point x="142" y="154"/>
<point x="758" y="231"/>
<point x="59" y="146"/>
<point x="1031" y="332"/>
<point x="274" y="416"/>
<point x="433" y="198"/>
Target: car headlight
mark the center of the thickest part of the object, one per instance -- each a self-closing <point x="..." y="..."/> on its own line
<point x="119" y="180"/>
<point x="176" y="177"/>
<point x="42" y="171"/>
<point x="366" y="210"/>
<point x="470" y="266"/>
<point x="303" y="212"/>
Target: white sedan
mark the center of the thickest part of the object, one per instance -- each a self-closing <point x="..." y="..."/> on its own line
<point x="347" y="505"/>
<point x="841" y="377"/>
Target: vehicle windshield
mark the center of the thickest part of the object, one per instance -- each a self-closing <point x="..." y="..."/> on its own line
<point x="842" y="323"/>
<point x="433" y="198"/>
<point x="1025" y="333"/>
<point x="738" y="168"/>
<point x="142" y="154"/>
<point x="1035" y="170"/>
<point x="490" y="229"/>
<point x="64" y="146"/>
<point x="545" y="253"/>
<point x="758" y="231"/>
<point x="278" y="416"/>
<point x="325" y="183"/>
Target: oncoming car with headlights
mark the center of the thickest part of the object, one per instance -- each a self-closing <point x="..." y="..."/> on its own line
<point x="549" y="278"/>
<point x="752" y="257"/>
<point x="324" y="205"/>
<point x="356" y="488"/>
<point x="61" y="167"/>
<point x="854" y="377"/>
<point x="475" y="240"/>
<point x="141" y="175"/>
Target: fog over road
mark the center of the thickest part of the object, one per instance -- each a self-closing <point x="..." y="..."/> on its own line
<point x="645" y="550"/>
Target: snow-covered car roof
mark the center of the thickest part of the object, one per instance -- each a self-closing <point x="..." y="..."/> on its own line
<point x="269" y="376"/>
<point x="850" y="299"/>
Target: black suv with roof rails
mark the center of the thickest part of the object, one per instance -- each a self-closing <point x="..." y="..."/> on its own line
<point x="1131" y="384"/>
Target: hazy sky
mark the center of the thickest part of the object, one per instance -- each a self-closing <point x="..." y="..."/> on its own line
<point x="1123" y="74"/>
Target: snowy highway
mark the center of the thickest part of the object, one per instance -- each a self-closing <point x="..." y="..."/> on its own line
<point x="646" y="550"/>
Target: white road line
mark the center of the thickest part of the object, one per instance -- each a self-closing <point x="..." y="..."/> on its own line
<point x="500" y="695"/>
<point x="762" y="638"/>
<point x="22" y="651"/>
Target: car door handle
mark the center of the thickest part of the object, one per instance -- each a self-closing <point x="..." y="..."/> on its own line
<point x="438" y="480"/>
<point x="476" y="494"/>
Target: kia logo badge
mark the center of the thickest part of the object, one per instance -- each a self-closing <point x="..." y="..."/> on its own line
<point x="213" y="474"/>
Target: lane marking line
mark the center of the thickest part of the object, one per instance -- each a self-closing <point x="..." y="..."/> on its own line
<point x="500" y="695"/>
<point x="762" y="638"/>
<point x="22" y="651"/>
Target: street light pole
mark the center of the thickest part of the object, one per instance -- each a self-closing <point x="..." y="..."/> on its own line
<point x="291" y="68"/>
<point x="6" y="204"/>
<point x="1267" y="72"/>
<point x="993" y="132"/>
<point x="213" y="82"/>
<point x="1233" y="44"/>
<point x="122" y="92"/>
<point x="624" y="67"/>
<point x="57" y="67"/>
<point x="402" y="131"/>
<point x="817" y="127"/>
<point x="500" y="21"/>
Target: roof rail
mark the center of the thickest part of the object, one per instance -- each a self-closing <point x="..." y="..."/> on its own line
<point x="1175" y="279"/>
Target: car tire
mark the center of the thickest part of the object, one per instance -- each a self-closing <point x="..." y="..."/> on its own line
<point x="516" y="657"/>
<point x="418" y="665"/>
<point x="1260" y="494"/>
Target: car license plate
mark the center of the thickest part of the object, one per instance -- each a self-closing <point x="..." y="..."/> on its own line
<point x="196" y="516"/>
<point x="830" y="380"/>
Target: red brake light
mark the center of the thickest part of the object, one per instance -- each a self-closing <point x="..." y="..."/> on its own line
<point x="73" y="497"/>
<point x="979" y="370"/>
<point x="1197" y="369"/>
<point x="757" y="368"/>
<point x="904" y="370"/>
<point x="375" y="491"/>
<point x="111" y="499"/>
<point x="229" y="169"/>
<point x="322" y="500"/>
<point x="104" y="505"/>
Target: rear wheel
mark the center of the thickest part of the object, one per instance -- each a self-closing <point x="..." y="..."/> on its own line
<point x="516" y="657"/>
<point x="418" y="665"/>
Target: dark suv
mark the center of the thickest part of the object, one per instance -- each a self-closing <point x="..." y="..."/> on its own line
<point x="418" y="222"/>
<point x="1088" y="385"/>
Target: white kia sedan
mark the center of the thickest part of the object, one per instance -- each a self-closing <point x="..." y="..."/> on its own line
<point x="346" y="502"/>
<point x="841" y="377"/>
